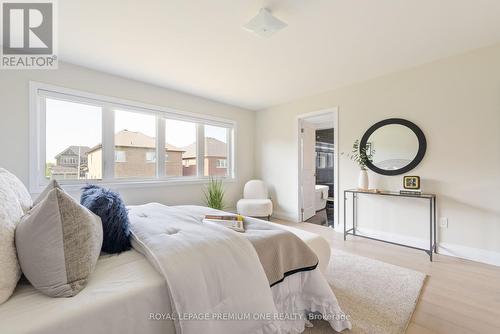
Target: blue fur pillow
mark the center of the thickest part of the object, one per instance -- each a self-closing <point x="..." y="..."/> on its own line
<point x="114" y="216"/>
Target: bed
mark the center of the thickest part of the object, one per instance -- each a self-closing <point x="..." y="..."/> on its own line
<point x="318" y="244"/>
<point x="121" y="293"/>
<point x="126" y="294"/>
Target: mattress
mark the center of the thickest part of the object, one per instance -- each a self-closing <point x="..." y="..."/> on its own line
<point x="120" y="296"/>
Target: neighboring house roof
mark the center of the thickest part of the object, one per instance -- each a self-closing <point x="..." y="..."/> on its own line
<point x="133" y="139"/>
<point x="74" y="151"/>
<point x="126" y="138"/>
<point x="213" y="148"/>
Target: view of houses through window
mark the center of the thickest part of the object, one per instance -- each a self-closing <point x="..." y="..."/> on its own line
<point x="74" y="148"/>
<point x="135" y="134"/>
<point x="180" y="143"/>
<point x="72" y="129"/>
<point x="215" y="150"/>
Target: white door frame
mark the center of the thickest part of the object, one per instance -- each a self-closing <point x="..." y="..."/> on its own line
<point x="335" y="112"/>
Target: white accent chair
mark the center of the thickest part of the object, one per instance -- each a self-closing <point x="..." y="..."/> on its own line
<point x="255" y="201"/>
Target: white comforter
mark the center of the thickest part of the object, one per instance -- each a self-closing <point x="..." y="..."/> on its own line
<point x="216" y="282"/>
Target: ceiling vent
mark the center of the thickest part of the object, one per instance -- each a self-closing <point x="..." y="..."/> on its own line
<point x="264" y="24"/>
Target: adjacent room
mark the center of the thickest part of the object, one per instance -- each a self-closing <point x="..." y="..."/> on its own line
<point x="250" y="167"/>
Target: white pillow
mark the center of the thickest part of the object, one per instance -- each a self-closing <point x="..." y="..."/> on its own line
<point x="10" y="214"/>
<point x="20" y="191"/>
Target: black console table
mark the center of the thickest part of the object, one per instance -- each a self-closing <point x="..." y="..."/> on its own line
<point x="432" y="217"/>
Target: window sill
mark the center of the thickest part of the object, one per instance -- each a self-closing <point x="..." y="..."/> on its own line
<point x="132" y="183"/>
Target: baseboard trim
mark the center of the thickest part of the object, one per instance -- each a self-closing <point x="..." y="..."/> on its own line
<point x="470" y="253"/>
<point x="284" y="216"/>
<point x="459" y="251"/>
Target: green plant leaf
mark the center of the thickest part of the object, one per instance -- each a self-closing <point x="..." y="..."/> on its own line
<point x="214" y="194"/>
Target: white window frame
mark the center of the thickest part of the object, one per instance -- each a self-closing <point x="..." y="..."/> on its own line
<point x="39" y="91"/>
<point x="222" y="165"/>
<point x="150" y="161"/>
<point x="124" y="156"/>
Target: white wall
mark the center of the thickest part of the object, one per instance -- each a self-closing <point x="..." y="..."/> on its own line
<point x="14" y="123"/>
<point x="456" y="102"/>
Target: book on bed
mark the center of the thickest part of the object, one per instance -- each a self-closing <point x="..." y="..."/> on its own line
<point x="234" y="222"/>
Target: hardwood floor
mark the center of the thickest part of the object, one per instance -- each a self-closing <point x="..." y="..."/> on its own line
<point x="459" y="296"/>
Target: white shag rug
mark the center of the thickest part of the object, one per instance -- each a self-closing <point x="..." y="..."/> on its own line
<point x="379" y="297"/>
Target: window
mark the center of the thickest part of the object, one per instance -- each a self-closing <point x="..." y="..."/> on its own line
<point x="81" y="136"/>
<point x="329" y="160"/>
<point x="181" y="146"/>
<point x="221" y="163"/>
<point x="151" y="156"/>
<point x="135" y="133"/>
<point x="120" y="156"/>
<point x="68" y="161"/>
<point x="320" y="160"/>
<point x="70" y="127"/>
<point x="324" y="160"/>
<point x="216" y="150"/>
<point x="189" y="162"/>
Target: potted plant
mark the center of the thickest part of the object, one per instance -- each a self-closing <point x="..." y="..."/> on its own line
<point x="214" y="194"/>
<point x="361" y="155"/>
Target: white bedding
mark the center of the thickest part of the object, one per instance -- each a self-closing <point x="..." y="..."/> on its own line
<point x="122" y="292"/>
<point x="125" y="291"/>
<point x="211" y="269"/>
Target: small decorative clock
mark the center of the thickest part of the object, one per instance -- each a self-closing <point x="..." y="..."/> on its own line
<point x="411" y="182"/>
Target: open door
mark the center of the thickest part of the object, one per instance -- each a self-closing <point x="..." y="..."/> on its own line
<point x="309" y="144"/>
<point x="308" y="172"/>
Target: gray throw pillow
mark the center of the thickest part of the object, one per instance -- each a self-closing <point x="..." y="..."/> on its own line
<point x="58" y="243"/>
<point x="52" y="185"/>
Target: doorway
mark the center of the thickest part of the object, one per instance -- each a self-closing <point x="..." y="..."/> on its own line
<point x="318" y="167"/>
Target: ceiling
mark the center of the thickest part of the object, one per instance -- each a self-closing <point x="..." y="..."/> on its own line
<point x="199" y="47"/>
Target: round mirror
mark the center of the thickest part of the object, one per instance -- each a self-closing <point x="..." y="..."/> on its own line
<point x="395" y="145"/>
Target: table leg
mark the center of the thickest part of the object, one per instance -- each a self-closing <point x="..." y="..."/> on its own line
<point x="431" y="215"/>
<point x="435" y="223"/>
<point x="345" y="229"/>
<point x="354" y="213"/>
